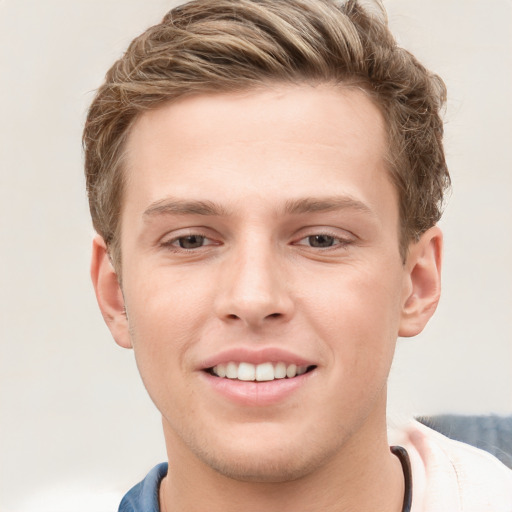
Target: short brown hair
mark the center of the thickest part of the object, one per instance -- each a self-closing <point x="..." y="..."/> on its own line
<point x="232" y="45"/>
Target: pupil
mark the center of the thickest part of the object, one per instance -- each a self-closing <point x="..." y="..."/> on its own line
<point x="191" y="242"/>
<point x="321" y="241"/>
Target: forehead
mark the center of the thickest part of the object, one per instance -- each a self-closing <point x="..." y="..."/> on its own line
<point x="277" y="143"/>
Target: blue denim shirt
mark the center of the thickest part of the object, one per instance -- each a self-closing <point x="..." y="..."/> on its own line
<point x="144" y="496"/>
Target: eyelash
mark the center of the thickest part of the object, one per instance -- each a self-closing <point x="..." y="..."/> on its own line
<point x="337" y="242"/>
<point x="170" y="244"/>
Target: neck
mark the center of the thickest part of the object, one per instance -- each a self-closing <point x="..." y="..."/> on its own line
<point x="364" y="475"/>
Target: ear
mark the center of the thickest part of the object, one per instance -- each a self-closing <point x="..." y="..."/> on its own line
<point x="422" y="287"/>
<point x="108" y="293"/>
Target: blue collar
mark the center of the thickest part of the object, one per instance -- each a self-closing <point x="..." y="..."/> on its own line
<point x="144" y="496"/>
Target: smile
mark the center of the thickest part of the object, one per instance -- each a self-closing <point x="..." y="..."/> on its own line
<point x="262" y="372"/>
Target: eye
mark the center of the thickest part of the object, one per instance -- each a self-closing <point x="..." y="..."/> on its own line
<point x="188" y="242"/>
<point x="324" y="241"/>
<point x="321" y="240"/>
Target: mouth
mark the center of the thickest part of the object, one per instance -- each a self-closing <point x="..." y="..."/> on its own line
<point x="263" y="372"/>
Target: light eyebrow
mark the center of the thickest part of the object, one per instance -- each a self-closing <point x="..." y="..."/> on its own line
<point x="170" y="206"/>
<point x="326" y="204"/>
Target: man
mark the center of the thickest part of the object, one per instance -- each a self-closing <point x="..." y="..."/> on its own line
<point x="265" y="177"/>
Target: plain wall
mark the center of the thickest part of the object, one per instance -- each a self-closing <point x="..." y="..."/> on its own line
<point x="77" y="428"/>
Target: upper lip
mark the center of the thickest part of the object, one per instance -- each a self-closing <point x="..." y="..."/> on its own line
<point x="255" y="356"/>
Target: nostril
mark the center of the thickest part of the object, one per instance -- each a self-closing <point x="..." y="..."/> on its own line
<point x="232" y="316"/>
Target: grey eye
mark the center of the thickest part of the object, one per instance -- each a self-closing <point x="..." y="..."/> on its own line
<point x="321" y="240"/>
<point x="191" y="242"/>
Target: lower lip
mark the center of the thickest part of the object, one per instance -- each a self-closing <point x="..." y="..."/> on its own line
<point x="257" y="393"/>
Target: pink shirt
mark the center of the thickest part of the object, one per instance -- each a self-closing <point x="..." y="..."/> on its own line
<point x="449" y="476"/>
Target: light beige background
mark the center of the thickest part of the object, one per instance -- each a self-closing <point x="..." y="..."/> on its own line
<point x="77" y="429"/>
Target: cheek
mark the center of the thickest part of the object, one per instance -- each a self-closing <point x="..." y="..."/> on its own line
<point x="167" y="304"/>
<point x="161" y="336"/>
<point x="358" y="319"/>
<point x="165" y="317"/>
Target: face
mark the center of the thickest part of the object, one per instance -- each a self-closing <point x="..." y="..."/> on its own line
<point x="262" y="278"/>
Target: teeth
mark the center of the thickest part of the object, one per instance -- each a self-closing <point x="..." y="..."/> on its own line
<point x="246" y="371"/>
<point x="260" y="372"/>
<point x="264" y="371"/>
<point x="301" y="370"/>
<point x="220" y="370"/>
<point x="232" y="370"/>
<point x="291" y="371"/>
<point x="280" y="371"/>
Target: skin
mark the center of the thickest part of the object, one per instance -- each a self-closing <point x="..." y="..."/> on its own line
<point x="283" y="165"/>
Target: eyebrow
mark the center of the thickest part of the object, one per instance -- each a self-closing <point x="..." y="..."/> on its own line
<point x="172" y="206"/>
<point x="184" y="207"/>
<point x="326" y="204"/>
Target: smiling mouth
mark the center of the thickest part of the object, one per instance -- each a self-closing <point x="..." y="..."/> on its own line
<point x="263" y="372"/>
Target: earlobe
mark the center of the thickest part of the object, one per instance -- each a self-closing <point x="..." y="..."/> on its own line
<point x="422" y="288"/>
<point x="108" y="293"/>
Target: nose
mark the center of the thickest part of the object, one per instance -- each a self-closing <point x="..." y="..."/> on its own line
<point x="253" y="288"/>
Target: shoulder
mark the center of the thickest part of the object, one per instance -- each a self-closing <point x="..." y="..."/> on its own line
<point x="450" y="472"/>
<point x="143" y="497"/>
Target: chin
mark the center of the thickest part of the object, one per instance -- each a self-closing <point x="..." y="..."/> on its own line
<point x="266" y="460"/>
<point x="260" y="468"/>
